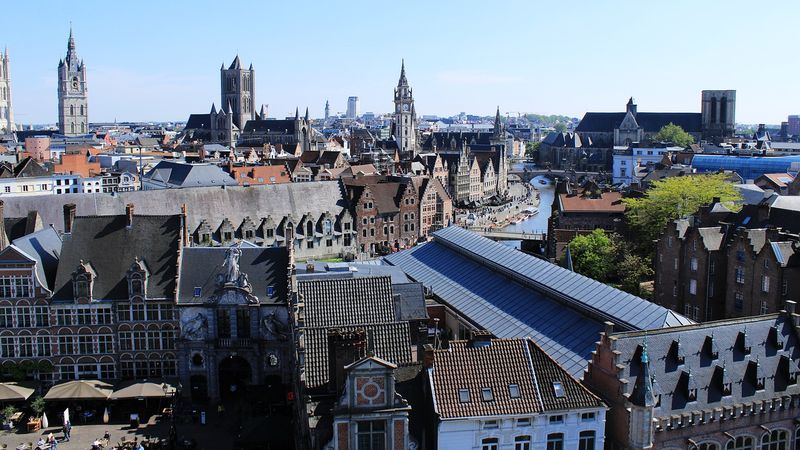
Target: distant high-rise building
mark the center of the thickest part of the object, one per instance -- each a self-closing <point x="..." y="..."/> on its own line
<point x="794" y="125"/>
<point x="73" y="107"/>
<point x="405" y="117"/>
<point x="238" y="92"/>
<point x="718" y="113"/>
<point x="327" y="110"/>
<point x="6" y="107"/>
<point x="353" y="107"/>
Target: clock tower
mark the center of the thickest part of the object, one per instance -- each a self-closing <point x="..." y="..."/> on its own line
<point x="73" y="108"/>
<point x="405" y="117"/>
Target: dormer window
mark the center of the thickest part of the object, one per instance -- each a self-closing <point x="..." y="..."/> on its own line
<point x="755" y="373"/>
<point x="743" y="342"/>
<point x="136" y="286"/>
<point x="723" y="380"/>
<point x="775" y="338"/>
<point x="513" y="390"/>
<point x="197" y="291"/>
<point x="710" y="347"/>
<point x="677" y="352"/>
<point x="463" y="395"/>
<point x="688" y="386"/>
<point x="487" y="394"/>
<point x="81" y="287"/>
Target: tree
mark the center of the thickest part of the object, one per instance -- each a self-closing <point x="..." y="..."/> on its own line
<point x="672" y="198"/>
<point x="560" y="127"/>
<point x="593" y="255"/>
<point x="38" y="406"/>
<point x="531" y="148"/>
<point x="674" y="134"/>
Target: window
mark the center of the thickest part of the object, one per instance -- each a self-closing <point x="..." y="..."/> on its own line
<point x="243" y="323"/>
<point x="223" y="323"/>
<point x="139" y="339"/>
<point x="488" y="444"/>
<point x="764" y="308"/>
<point x="693" y="264"/>
<point x="85" y="345"/>
<point x="104" y="316"/>
<point x="65" y="345"/>
<point x="11" y="287"/>
<point x="153" y="340"/>
<point x="556" y="419"/>
<point x="524" y="422"/>
<point x="522" y="443"/>
<point x="491" y="425"/>
<point x="25" y="346"/>
<point x="104" y="344"/>
<point x="137" y="312"/>
<point x="558" y="389"/>
<point x="741" y="443"/>
<point x="738" y="301"/>
<point x="6" y="317"/>
<point x="463" y="395"/>
<point x="371" y="435"/>
<point x="167" y="312"/>
<point x="586" y="440"/>
<point x="197" y="291"/>
<point x="740" y="275"/>
<point x="775" y="440"/>
<point x="555" y="441"/>
<point x="84" y="316"/>
<point x="513" y="390"/>
<point x="24" y="317"/>
<point x="693" y="287"/>
<point x="487" y="395"/>
<point x="123" y="313"/>
<point x="43" y="345"/>
<point x="765" y="283"/>
<point x="7" y="347"/>
<point x="588" y="417"/>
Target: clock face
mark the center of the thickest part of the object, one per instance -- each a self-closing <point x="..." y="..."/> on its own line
<point x="405" y="107"/>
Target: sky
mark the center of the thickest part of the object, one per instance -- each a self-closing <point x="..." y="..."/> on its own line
<point x="159" y="60"/>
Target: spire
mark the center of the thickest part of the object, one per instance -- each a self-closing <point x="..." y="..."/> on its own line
<point x="296" y="113"/>
<point x="263" y="114"/>
<point x="403" y="81"/>
<point x="213" y="108"/>
<point x="642" y="394"/>
<point x="497" y="123"/>
<point x="306" y="113"/>
<point x="251" y="67"/>
<point x="71" y="41"/>
<point x="229" y="109"/>
<point x="236" y="64"/>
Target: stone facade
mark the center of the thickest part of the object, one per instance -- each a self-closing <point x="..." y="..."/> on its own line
<point x="238" y="91"/>
<point x="6" y="105"/>
<point x="73" y="106"/>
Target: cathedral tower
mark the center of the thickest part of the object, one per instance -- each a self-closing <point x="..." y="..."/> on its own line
<point x="238" y="91"/>
<point x="405" y="117"/>
<point x="73" y="108"/>
<point x="6" y="107"/>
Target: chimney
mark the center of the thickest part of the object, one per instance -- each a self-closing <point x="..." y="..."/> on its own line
<point x="69" y="217"/>
<point x="3" y="237"/>
<point x="427" y="360"/>
<point x="129" y="215"/>
<point x="344" y="347"/>
<point x="310" y="266"/>
<point x="609" y="327"/>
<point x="480" y="338"/>
<point x="185" y="226"/>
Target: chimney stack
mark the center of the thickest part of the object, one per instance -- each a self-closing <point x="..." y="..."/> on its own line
<point x="310" y="266"/>
<point x="129" y="215"/>
<point x="427" y="360"/>
<point x="3" y="237"/>
<point x="69" y="217"/>
<point x="480" y="338"/>
<point x="609" y="327"/>
<point x="185" y="227"/>
<point x="344" y="348"/>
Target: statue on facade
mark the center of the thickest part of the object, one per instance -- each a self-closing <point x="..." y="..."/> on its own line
<point x="194" y="328"/>
<point x="231" y="265"/>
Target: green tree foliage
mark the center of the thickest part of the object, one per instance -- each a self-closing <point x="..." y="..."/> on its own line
<point x="7" y="412"/>
<point x="531" y="148"/>
<point x="593" y="255"/>
<point x="548" y="120"/>
<point x="38" y="405"/>
<point x="672" y="198"/>
<point x="674" y="134"/>
<point x="560" y="127"/>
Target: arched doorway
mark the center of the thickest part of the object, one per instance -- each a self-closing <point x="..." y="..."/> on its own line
<point x="199" y="388"/>
<point x="234" y="375"/>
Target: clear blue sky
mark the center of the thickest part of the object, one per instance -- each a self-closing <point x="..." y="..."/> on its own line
<point x="159" y="60"/>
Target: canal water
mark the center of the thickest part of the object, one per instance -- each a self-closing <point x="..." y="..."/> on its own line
<point x="537" y="223"/>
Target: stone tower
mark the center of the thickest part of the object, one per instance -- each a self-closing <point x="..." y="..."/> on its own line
<point x="405" y="117"/>
<point x="6" y="107"/>
<point x="327" y="111"/>
<point x="718" y="112"/>
<point x="73" y="108"/>
<point x="238" y="91"/>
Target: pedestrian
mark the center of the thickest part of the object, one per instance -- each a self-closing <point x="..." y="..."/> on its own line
<point x="51" y="441"/>
<point x="67" y="430"/>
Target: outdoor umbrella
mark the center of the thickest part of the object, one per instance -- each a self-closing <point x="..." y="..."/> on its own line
<point x="142" y="389"/>
<point x="79" y="390"/>
<point x="10" y="392"/>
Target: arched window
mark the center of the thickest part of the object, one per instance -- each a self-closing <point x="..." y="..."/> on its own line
<point x="82" y="110"/>
<point x="586" y="440"/>
<point x="555" y="441"/>
<point x="522" y="443"/>
<point x="71" y="110"/>
<point x="72" y="127"/>
<point x="309" y="228"/>
<point x="489" y="444"/>
<point x="775" y="440"/>
<point x="136" y="286"/>
<point x="741" y="443"/>
<point x="705" y="446"/>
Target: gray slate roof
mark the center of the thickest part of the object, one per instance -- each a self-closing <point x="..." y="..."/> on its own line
<point x="44" y="246"/>
<point x="410" y="301"/>
<point x="705" y="370"/>
<point x="211" y="204"/>
<point x="512" y="294"/>
<point x="110" y="247"/>
<point x="172" y="174"/>
<point x="264" y="267"/>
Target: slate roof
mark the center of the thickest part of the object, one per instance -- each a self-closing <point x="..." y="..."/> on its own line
<point x="44" y="246"/>
<point x="332" y="302"/>
<point x="198" y="121"/>
<point x="410" y="301"/>
<point x="282" y="126"/>
<point x="212" y="204"/>
<point x="496" y="366"/>
<point x="606" y="122"/>
<point x="110" y="247"/>
<point x="705" y="370"/>
<point x="173" y="174"/>
<point x="512" y="294"/>
<point x="264" y="267"/>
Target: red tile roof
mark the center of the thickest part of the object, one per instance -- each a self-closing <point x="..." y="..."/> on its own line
<point x="607" y="202"/>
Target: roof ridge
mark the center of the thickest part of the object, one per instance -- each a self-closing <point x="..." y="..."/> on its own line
<point x="699" y="325"/>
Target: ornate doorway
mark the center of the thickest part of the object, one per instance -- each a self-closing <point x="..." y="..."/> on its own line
<point x="234" y="375"/>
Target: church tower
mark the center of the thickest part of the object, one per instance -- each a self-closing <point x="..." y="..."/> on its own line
<point x="73" y="107"/>
<point x="238" y="90"/>
<point x="405" y="117"/>
<point x="6" y="107"/>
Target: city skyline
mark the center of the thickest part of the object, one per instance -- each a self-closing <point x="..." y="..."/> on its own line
<point x="602" y="55"/>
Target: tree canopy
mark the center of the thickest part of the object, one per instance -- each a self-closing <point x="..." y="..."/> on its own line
<point x="593" y="255"/>
<point x="674" y="134"/>
<point x="560" y="127"/>
<point x="531" y="148"/>
<point x="672" y="198"/>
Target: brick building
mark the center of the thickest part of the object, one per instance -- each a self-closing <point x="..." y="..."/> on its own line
<point x="728" y="384"/>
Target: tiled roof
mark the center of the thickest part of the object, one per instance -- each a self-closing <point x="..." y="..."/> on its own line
<point x="497" y="365"/>
<point x="763" y="332"/>
<point x="607" y="202"/>
<point x="333" y="302"/>
<point x="391" y="343"/>
<point x="649" y="121"/>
